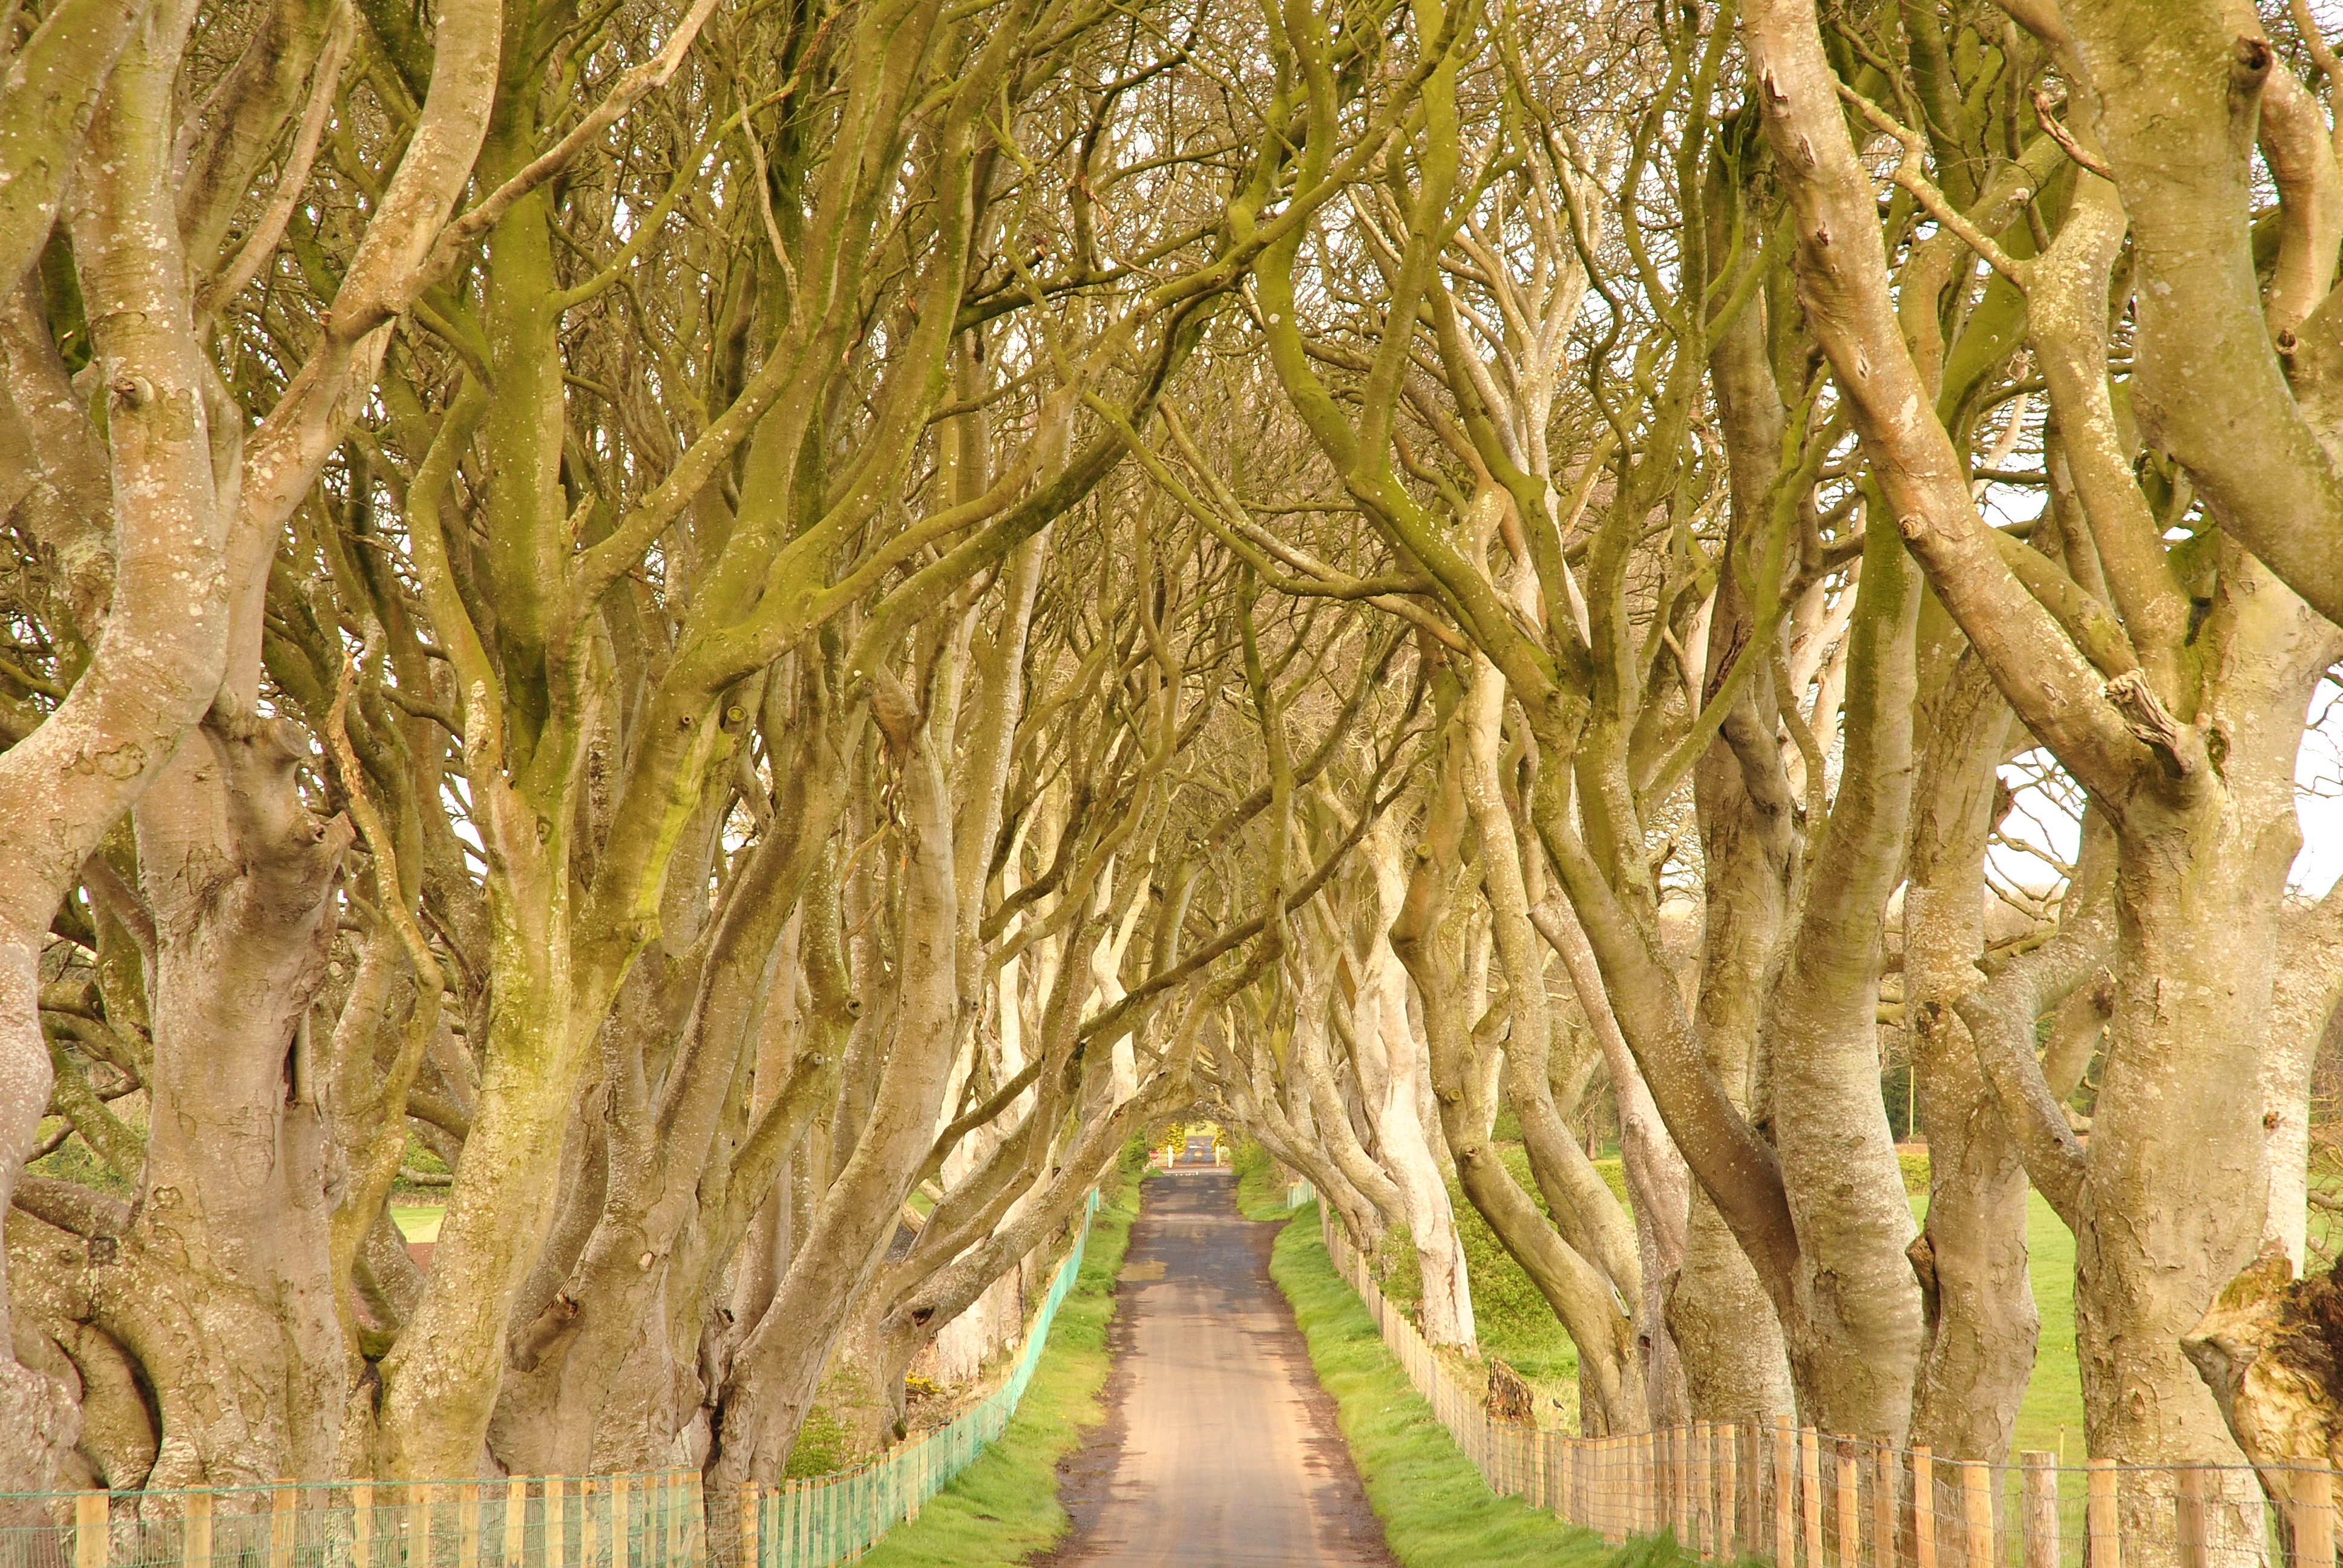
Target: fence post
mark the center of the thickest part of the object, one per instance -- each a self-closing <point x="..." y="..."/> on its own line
<point x="1786" y="1492"/>
<point x="1581" y="1484"/>
<point x="1665" y="1512"/>
<point x="90" y="1529"/>
<point x="283" y="1499"/>
<point x="1602" y="1487"/>
<point x="2039" y="1487"/>
<point x="2189" y="1499"/>
<point x="284" y="1505"/>
<point x="1624" y="1480"/>
<point x="1810" y="1468"/>
<point x="467" y="1523"/>
<point x="516" y="1521"/>
<point x="2310" y="1514"/>
<point x="1691" y="1470"/>
<point x="196" y="1530"/>
<point x="1850" y="1512"/>
<point x="1729" y="1491"/>
<point x="555" y="1516"/>
<point x="1977" y="1512"/>
<point x="585" y="1542"/>
<point x="1884" y="1486"/>
<point x="749" y="1552"/>
<point x="1586" y="1463"/>
<point x="1704" y="1490"/>
<point x="1924" y="1508"/>
<point x="418" y="1526"/>
<point x="1678" y="1495"/>
<point x="622" y="1540"/>
<point x="1620" y="1482"/>
<point x="2102" y="1529"/>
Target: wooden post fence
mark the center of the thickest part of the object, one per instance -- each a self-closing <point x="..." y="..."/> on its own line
<point x="1810" y="1471"/>
<point x="1924" y="1508"/>
<point x="1728" y="1491"/>
<point x="2189" y="1502"/>
<point x="2102" y="1530"/>
<point x="2310" y="1516"/>
<point x="2040" y="1492"/>
<point x="1786" y="1491"/>
<point x="1884" y="1486"/>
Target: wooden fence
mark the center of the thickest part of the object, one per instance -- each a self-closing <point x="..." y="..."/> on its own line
<point x="1796" y="1498"/>
<point x="646" y="1521"/>
<point x="650" y="1521"/>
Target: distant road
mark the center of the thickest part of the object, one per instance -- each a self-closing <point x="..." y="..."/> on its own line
<point x="1220" y="1449"/>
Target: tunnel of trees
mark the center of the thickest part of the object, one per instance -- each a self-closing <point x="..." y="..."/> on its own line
<point x="751" y="632"/>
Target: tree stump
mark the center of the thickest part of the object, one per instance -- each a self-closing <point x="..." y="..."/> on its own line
<point x="1509" y="1398"/>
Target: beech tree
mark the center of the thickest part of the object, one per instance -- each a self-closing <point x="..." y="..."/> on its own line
<point x="2173" y="686"/>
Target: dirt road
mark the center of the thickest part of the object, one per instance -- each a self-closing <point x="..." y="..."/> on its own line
<point x="1220" y="1448"/>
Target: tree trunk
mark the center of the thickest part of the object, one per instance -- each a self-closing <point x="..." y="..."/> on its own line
<point x="1611" y="1369"/>
<point x="2175" y="1186"/>
<point x="2302" y="999"/>
<point x="225" y="1287"/>
<point x="157" y="663"/>
<point x="1736" y="1365"/>
<point x="1403" y="1140"/>
<point x="1970" y="1257"/>
<point x="1854" y="1335"/>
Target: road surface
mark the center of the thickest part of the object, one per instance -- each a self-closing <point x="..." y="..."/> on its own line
<point x="1220" y="1448"/>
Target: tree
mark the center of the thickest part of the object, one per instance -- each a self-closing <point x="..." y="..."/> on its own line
<point x="2172" y="686"/>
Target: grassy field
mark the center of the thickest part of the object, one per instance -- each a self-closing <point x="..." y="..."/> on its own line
<point x="1004" y="1508"/>
<point x="1436" y="1510"/>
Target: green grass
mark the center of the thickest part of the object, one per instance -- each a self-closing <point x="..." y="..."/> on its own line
<point x="1260" y="1184"/>
<point x="1437" y="1512"/>
<point x="2051" y="1416"/>
<point x="1003" y="1508"/>
<point x="418" y="1222"/>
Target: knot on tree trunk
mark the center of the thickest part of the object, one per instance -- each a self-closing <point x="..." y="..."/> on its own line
<point x="2179" y="747"/>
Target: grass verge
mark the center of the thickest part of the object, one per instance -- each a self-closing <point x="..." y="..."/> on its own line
<point x="1437" y="1512"/>
<point x="1003" y="1508"/>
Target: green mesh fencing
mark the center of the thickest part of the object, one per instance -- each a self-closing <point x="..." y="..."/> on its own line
<point x="836" y="1518"/>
